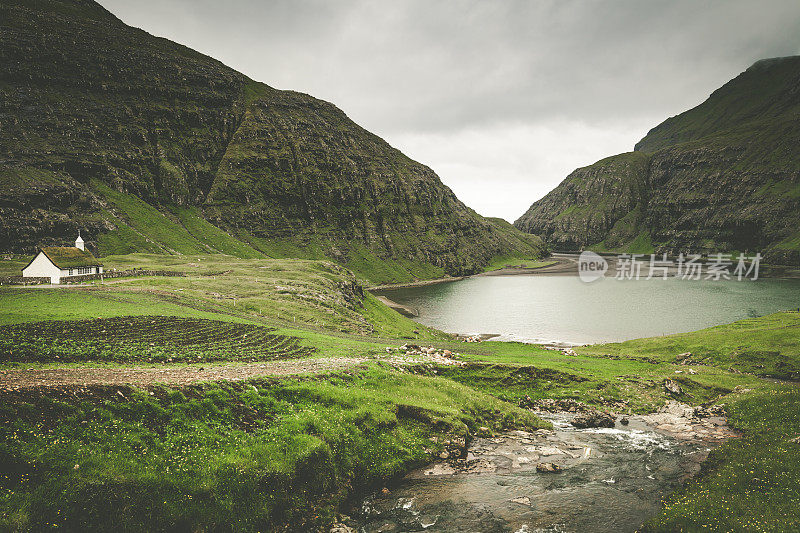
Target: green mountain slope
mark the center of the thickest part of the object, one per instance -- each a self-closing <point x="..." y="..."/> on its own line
<point x="149" y="146"/>
<point x="724" y="176"/>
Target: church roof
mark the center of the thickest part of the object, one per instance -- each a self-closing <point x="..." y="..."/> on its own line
<point x="70" y="257"/>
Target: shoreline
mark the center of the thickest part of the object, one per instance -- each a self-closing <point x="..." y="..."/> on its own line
<point x="505" y="271"/>
<point x="404" y="310"/>
<point x="410" y="284"/>
<point x="565" y="265"/>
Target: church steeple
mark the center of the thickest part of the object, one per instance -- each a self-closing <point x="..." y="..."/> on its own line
<point x="79" y="241"/>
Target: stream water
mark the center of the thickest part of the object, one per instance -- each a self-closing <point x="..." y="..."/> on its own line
<point x="612" y="480"/>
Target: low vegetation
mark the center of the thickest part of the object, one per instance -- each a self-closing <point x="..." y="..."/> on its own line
<point x="145" y="339"/>
<point x="251" y="456"/>
<point x="500" y="262"/>
<point x="286" y="292"/>
<point x="749" y="484"/>
<point x="767" y="346"/>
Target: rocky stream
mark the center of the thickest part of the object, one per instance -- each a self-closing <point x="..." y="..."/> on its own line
<point x="568" y="479"/>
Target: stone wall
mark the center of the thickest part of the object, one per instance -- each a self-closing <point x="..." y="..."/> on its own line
<point x="122" y="274"/>
<point x="19" y="280"/>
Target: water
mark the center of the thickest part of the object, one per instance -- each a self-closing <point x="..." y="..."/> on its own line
<point x="613" y="481"/>
<point x="552" y="308"/>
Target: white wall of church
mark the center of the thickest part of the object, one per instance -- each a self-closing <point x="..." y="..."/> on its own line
<point x="42" y="267"/>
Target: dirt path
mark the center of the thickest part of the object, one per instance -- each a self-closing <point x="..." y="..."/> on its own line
<point x="17" y="379"/>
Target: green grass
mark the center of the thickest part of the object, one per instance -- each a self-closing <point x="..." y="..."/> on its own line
<point x="261" y="454"/>
<point x="642" y="244"/>
<point x="366" y="265"/>
<point x="765" y="346"/>
<point x="12" y="265"/>
<point x="512" y="371"/>
<point x="750" y="484"/>
<point x="359" y="259"/>
<point x="791" y="242"/>
<point x="126" y="240"/>
<point x="305" y="293"/>
<point x="283" y="248"/>
<point x="30" y="305"/>
<point x="147" y="221"/>
<point x="205" y="232"/>
<point x="251" y="456"/>
<point x="392" y="327"/>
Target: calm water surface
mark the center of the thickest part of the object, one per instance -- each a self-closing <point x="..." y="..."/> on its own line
<point x="542" y="308"/>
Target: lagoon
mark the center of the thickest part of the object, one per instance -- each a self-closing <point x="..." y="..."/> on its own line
<point x="558" y="308"/>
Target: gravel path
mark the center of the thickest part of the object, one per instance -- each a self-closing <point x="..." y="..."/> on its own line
<point x="17" y="379"/>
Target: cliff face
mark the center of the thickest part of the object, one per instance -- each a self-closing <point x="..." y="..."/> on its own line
<point x="724" y="176"/>
<point x="593" y="202"/>
<point x="101" y="123"/>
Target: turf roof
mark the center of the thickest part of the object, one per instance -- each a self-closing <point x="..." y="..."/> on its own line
<point x="70" y="257"/>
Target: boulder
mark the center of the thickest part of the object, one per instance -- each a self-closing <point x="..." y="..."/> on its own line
<point x="672" y="387"/>
<point x="548" y="468"/>
<point x="595" y="419"/>
<point x="522" y="500"/>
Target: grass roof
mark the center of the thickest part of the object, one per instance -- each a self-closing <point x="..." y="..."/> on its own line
<point x="70" y="257"/>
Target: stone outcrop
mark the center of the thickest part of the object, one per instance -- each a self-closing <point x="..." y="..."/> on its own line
<point x="594" y="419"/>
<point x="673" y="387"/>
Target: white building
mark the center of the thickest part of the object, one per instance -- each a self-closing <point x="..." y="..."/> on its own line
<point x="56" y="262"/>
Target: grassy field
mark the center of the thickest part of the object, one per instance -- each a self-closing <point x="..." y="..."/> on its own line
<point x="766" y="346"/>
<point x="264" y="453"/>
<point x="306" y="293"/>
<point x="12" y="265"/>
<point x="749" y="484"/>
<point x="252" y="456"/>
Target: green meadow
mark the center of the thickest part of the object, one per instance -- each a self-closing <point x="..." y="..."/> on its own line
<point x="272" y="454"/>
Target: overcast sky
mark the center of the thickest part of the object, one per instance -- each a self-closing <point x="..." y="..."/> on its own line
<point x="502" y="99"/>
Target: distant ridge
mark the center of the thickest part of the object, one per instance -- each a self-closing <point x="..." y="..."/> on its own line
<point x="723" y="176"/>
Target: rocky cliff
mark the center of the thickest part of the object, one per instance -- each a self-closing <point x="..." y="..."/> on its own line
<point x="723" y="176"/>
<point x="147" y="145"/>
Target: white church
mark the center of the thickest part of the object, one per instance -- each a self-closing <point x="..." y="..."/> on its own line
<point x="56" y="262"/>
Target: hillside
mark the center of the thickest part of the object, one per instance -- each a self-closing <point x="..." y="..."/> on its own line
<point x="723" y="176"/>
<point x="148" y="146"/>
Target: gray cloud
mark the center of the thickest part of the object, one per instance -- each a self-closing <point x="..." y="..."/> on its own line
<point x="461" y="74"/>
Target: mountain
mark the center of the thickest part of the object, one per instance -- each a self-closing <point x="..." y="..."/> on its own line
<point x="149" y="146"/>
<point x="723" y="176"/>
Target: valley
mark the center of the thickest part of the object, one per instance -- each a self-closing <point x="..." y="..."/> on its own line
<point x="272" y="319"/>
